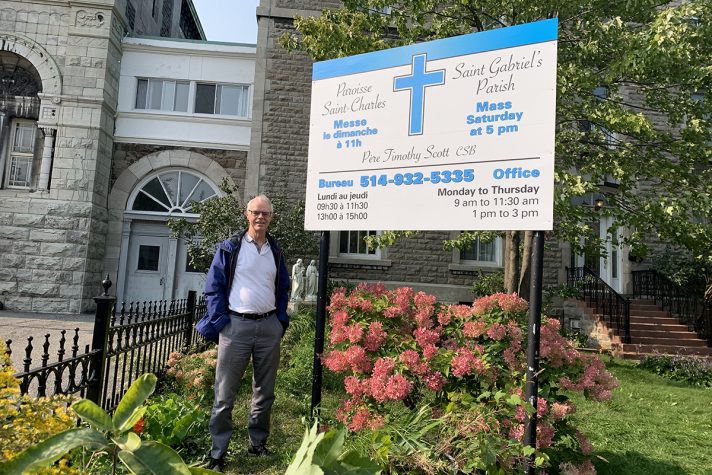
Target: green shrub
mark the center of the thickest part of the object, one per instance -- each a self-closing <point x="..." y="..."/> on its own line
<point x="176" y="420"/>
<point x="192" y="373"/>
<point x="488" y="284"/>
<point x="693" y="370"/>
<point x="25" y="421"/>
<point x="298" y="358"/>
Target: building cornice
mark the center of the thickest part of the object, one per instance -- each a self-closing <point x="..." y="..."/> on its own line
<point x="286" y="13"/>
<point x="205" y="119"/>
<point x="157" y="47"/>
<point x="180" y="143"/>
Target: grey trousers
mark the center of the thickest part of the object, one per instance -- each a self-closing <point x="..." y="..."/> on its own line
<point x="240" y="340"/>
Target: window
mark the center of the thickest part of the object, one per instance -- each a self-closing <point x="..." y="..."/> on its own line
<point x="221" y="99"/>
<point x="162" y="94"/>
<point x="482" y="253"/>
<point x="187" y="23"/>
<point x="148" y="257"/>
<point x="22" y="152"/>
<point x="130" y="14"/>
<point x="167" y="20"/>
<point x="351" y="243"/>
<point x="601" y="93"/>
<point x="172" y="191"/>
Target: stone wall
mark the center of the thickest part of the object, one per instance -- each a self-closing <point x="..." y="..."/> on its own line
<point x="233" y="161"/>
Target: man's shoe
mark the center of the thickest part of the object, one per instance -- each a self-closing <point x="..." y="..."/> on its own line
<point x="216" y="465"/>
<point x="258" y="450"/>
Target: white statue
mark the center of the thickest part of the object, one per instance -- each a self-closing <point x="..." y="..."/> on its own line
<point x="297" y="280"/>
<point x="311" y="282"/>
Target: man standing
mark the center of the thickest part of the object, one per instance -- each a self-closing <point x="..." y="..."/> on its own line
<point x="247" y="291"/>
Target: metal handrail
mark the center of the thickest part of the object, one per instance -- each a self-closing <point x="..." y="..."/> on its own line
<point x="688" y="306"/>
<point x="614" y="308"/>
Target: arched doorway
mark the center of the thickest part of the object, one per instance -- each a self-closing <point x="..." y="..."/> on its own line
<point x="155" y="265"/>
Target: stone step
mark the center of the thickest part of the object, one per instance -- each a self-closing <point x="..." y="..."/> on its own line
<point x="654" y="320"/>
<point x="667" y="325"/>
<point x="637" y="332"/>
<point x="671" y="341"/>
<point x="666" y="349"/>
<point x="649" y="313"/>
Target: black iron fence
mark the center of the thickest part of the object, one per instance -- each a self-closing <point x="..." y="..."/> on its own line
<point x="689" y="306"/>
<point x="128" y="341"/>
<point x="613" y="307"/>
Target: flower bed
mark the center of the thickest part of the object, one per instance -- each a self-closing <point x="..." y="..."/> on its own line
<point x="467" y="364"/>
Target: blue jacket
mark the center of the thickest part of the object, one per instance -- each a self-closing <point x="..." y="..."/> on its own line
<point x="219" y="281"/>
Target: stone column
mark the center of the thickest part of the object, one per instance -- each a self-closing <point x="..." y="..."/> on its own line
<point x="46" y="166"/>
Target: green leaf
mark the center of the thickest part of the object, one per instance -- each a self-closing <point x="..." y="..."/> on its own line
<point x="48" y="451"/>
<point x="514" y="400"/>
<point x="90" y="412"/>
<point x="201" y="471"/>
<point x="154" y="458"/>
<point x="302" y="463"/>
<point x="329" y="449"/>
<point x="127" y="441"/>
<point x="528" y="450"/>
<point x="353" y="463"/>
<point x="125" y="415"/>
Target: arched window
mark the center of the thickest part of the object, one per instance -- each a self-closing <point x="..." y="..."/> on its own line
<point x="172" y="192"/>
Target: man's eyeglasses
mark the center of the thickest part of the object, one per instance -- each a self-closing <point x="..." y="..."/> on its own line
<point x="256" y="214"/>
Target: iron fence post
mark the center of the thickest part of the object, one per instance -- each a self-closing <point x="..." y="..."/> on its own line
<point x="104" y="306"/>
<point x="190" y="319"/>
<point x="626" y="317"/>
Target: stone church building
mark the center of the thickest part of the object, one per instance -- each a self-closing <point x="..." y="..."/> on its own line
<point x="116" y="114"/>
<point x="113" y="115"/>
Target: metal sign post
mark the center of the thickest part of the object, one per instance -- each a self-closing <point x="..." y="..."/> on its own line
<point x="532" y="384"/>
<point x="320" y="323"/>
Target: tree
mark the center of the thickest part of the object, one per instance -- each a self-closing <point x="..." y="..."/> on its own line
<point x="222" y="216"/>
<point x="634" y="103"/>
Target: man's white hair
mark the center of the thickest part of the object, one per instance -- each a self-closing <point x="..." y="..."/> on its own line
<point x="260" y="198"/>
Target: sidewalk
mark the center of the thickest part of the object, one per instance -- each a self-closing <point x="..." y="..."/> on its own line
<point x="18" y="326"/>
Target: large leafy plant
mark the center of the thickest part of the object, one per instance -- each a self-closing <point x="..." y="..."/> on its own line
<point x="323" y="453"/>
<point x="107" y="434"/>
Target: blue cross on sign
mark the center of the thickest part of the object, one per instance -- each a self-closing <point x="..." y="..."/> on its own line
<point x="416" y="82"/>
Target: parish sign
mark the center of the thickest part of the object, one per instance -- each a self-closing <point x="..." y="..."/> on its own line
<point x="452" y="134"/>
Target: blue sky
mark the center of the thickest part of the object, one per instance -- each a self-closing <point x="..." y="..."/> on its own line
<point x="228" y="20"/>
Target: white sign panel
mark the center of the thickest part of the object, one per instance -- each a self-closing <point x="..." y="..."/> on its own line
<point x="453" y="134"/>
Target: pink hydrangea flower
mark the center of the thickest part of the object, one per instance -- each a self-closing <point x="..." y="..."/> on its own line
<point x="497" y="331"/>
<point x="357" y="359"/>
<point x="465" y="362"/>
<point x="474" y="329"/>
<point x="434" y="381"/>
<point x="559" y="410"/>
<point x="412" y="361"/>
<point x="375" y="337"/>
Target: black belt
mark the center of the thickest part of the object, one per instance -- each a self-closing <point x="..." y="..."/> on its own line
<point x="251" y="316"/>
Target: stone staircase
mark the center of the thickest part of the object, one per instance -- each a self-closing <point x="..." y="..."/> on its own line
<point x="653" y="330"/>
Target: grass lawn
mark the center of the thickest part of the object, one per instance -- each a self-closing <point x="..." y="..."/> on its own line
<point x="651" y="425"/>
